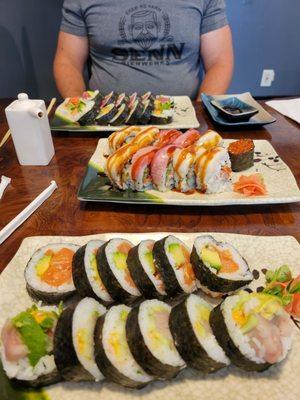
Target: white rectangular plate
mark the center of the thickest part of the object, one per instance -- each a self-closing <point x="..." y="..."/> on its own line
<point x="278" y="383"/>
<point x="184" y="118"/>
<point x="279" y="180"/>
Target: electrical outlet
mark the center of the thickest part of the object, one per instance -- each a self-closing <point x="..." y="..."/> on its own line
<point x="267" y="78"/>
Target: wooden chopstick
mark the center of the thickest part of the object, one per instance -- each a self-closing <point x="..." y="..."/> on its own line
<point x="8" y="133"/>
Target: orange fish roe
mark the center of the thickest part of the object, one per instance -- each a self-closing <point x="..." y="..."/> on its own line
<point x="241" y="146"/>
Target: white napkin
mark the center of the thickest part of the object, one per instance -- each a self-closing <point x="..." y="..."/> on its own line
<point x="5" y="181"/>
<point x="289" y="108"/>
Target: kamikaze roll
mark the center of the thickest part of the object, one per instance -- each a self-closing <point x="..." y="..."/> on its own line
<point x="27" y="347"/>
<point x="150" y="340"/>
<point x="218" y="266"/>
<point x="112" y="352"/>
<point x="253" y="329"/>
<point x="48" y="274"/>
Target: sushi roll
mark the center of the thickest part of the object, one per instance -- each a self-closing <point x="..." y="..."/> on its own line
<point x="162" y="171"/>
<point x="94" y="95"/>
<point x="48" y="274"/>
<point x="85" y="272"/>
<point x="110" y="98"/>
<point x="188" y="138"/>
<point x="163" y="110"/>
<point x="166" y="136"/>
<point x="193" y="337"/>
<point x="172" y="258"/>
<point x="106" y="114"/>
<point x="27" y="347"/>
<point x="146" y="136"/>
<point x="210" y="139"/>
<point x="76" y="110"/>
<point x="140" y="168"/>
<point x="147" y="112"/>
<point x="147" y="96"/>
<point x="74" y="341"/>
<point x="143" y="270"/>
<point x="122" y="99"/>
<point x="183" y="166"/>
<point x="218" y="266"/>
<point x="122" y="136"/>
<point x="241" y="153"/>
<point x="135" y="112"/>
<point x="213" y="171"/>
<point x="112" y="352"/>
<point x="114" y="272"/>
<point x="121" y="115"/>
<point x="150" y="340"/>
<point x="253" y="329"/>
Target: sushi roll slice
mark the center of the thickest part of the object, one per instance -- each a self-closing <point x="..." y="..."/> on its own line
<point x="114" y="272"/>
<point x="122" y="136"/>
<point x="112" y="352"/>
<point x="135" y="113"/>
<point x="106" y="114"/>
<point x="241" y="153"/>
<point x="122" y="98"/>
<point x="166" y="136"/>
<point x="188" y="138"/>
<point x="193" y="337"/>
<point x="162" y="171"/>
<point x="183" y="166"/>
<point x="150" y="340"/>
<point x="76" y="110"/>
<point x="85" y="272"/>
<point x="146" y="136"/>
<point x="253" y="329"/>
<point x="48" y="274"/>
<point x="110" y="98"/>
<point x="210" y="139"/>
<point x="163" y="110"/>
<point x="147" y="96"/>
<point x="218" y="266"/>
<point x="140" y="168"/>
<point x="74" y="341"/>
<point x="27" y="347"/>
<point x="172" y="258"/>
<point x="121" y="115"/>
<point x="147" y="112"/>
<point x="213" y="171"/>
<point x="143" y="270"/>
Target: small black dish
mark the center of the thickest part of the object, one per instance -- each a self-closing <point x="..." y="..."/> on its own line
<point x="234" y="109"/>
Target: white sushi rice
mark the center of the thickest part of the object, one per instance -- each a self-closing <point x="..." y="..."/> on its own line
<point x="243" y="272"/>
<point x="208" y="342"/>
<point x="119" y="274"/>
<point x="164" y="350"/>
<point x="34" y="280"/>
<point x="179" y="272"/>
<point x="85" y="317"/>
<point x="92" y="273"/>
<point x="114" y="330"/>
<point x="142" y="250"/>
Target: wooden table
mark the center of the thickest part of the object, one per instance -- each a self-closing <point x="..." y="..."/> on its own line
<point x="63" y="214"/>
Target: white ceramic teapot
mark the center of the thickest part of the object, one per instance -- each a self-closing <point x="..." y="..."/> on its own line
<point x="30" y="130"/>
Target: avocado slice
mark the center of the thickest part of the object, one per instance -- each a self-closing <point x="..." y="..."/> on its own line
<point x="120" y="260"/>
<point x="177" y="253"/>
<point x="149" y="259"/>
<point x="211" y="257"/>
<point x="42" y="265"/>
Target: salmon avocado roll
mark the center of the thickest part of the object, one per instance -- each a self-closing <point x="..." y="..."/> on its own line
<point x="27" y="347"/>
<point x="48" y="274"/>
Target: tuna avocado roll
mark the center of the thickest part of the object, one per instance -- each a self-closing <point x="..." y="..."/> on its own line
<point x="241" y="153"/>
<point x="112" y="353"/>
<point x="27" y="347"/>
<point x="163" y="110"/>
<point x="143" y="270"/>
<point x="114" y="272"/>
<point x="74" y="341"/>
<point x="135" y="113"/>
<point x="110" y="98"/>
<point x="48" y="274"/>
<point x="218" y="266"/>
<point x="172" y="258"/>
<point x="76" y="110"/>
<point x="121" y="116"/>
<point x="150" y="340"/>
<point x="193" y="337"/>
<point x="106" y="114"/>
<point x="253" y="329"/>
<point x="85" y="272"/>
<point x="147" y="112"/>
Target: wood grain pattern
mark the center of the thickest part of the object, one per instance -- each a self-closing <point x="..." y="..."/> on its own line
<point x="63" y="214"/>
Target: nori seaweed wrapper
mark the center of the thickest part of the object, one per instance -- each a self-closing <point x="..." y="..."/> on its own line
<point x="241" y="154"/>
<point x="80" y="278"/>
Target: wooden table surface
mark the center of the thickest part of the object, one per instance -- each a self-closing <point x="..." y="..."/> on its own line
<point x="63" y="214"/>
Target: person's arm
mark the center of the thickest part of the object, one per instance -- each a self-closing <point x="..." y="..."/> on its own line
<point x="217" y="57"/>
<point x="71" y="55"/>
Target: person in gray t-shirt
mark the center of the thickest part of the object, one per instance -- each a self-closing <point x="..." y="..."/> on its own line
<point x="151" y="45"/>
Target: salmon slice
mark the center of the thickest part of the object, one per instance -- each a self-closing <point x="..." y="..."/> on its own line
<point x="228" y="264"/>
<point x="60" y="268"/>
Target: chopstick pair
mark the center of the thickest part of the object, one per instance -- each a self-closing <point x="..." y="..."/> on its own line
<point x="8" y="133"/>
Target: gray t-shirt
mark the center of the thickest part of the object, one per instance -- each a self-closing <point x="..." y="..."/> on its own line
<point x="150" y="45"/>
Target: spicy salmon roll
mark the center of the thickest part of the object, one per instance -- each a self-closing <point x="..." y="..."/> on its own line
<point x="218" y="266"/>
<point x="74" y="341"/>
<point x="193" y="337"/>
<point x="253" y="329"/>
<point x="112" y="353"/>
<point x="150" y="340"/>
<point x="144" y="271"/>
<point x="85" y="272"/>
<point x="172" y="258"/>
<point x="27" y="347"/>
<point x="113" y="270"/>
<point x="48" y="274"/>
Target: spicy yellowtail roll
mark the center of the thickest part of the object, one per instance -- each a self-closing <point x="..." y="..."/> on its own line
<point x="121" y="137"/>
<point x="218" y="266"/>
<point x="112" y="352"/>
<point x="172" y="258"/>
<point x="140" y="168"/>
<point x="85" y="272"/>
<point x="210" y="139"/>
<point x="114" y="272"/>
<point x="27" y="347"/>
<point x="253" y="329"/>
<point x="144" y="271"/>
<point x="48" y="274"/>
<point x="193" y="337"/>
<point x="150" y="340"/>
<point x="213" y="171"/>
<point x="74" y="341"/>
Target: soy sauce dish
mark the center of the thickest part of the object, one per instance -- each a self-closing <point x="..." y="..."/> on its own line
<point x="233" y="109"/>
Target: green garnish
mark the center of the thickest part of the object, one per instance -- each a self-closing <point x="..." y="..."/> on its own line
<point x="282" y="274"/>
